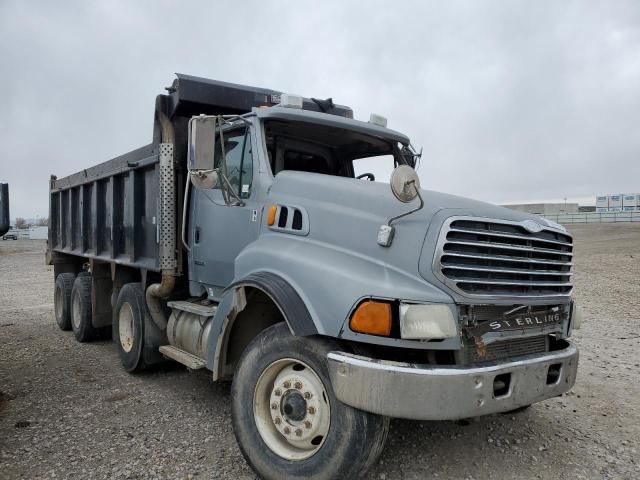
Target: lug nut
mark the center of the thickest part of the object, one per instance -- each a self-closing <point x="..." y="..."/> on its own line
<point x="287" y="430"/>
<point x="298" y="385"/>
<point x="274" y="406"/>
<point x="278" y="421"/>
<point x="307" y="395"/>
<point x="278" y="392"/>
<point x="299" y="432"/>
<point x="312" y="410"/>
<point x="307" y="424"/>
<point x="287" y="384"/>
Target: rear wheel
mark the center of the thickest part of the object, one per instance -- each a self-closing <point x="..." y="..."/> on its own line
<point x="287" y="421"/>
<point x="62" y="299"/>
<point x="136" y="336"/>
<point x="81" y="311"/>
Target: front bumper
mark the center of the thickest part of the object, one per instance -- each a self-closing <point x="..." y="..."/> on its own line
<point x="425" y="392"/>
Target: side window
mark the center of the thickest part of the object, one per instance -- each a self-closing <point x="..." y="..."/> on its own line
<point x="306" y="162"/>
<point x="237" y="146"/>
<point x="381" y="166"/>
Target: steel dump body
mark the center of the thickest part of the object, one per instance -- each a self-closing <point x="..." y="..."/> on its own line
<point x="110" y="211"/>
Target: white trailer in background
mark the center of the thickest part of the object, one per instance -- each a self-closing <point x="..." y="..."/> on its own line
<point x="615" y="202"/>
<point x="630" y="202"/>
<point x="602" y="203"/>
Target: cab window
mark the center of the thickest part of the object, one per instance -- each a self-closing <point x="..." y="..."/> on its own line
<point x="237" y="146"/>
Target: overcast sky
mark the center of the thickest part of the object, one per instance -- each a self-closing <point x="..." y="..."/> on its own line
<point x="511" y="101"/>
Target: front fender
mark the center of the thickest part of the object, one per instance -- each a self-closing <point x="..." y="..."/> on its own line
<point x="289" y="303"/>
<point x="234" y="301"/>
<point x="330" y="280"/>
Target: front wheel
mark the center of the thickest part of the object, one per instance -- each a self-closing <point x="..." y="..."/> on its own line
<point x="286" y="418"/>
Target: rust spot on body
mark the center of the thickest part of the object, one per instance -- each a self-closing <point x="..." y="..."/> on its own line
<point x="481" y="347"/>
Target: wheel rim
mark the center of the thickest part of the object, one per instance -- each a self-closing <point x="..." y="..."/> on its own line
<point x="58" y="303"/>
<point x="291" y="409"/>
<point x="75" y="311"/>
<point x="125" y="327"/>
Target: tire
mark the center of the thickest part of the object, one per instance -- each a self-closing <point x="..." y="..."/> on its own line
<point x="62" y="299"/>
<point x="344" y="445"/>
<point x="81" y="311"/>
<point x="138" y="345"/>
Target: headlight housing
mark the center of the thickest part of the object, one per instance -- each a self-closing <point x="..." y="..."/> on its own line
<point x="427" y="322"/>
<point x="576" y="316"/>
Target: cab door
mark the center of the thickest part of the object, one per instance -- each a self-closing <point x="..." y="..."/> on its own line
<point x="219" y="232"/>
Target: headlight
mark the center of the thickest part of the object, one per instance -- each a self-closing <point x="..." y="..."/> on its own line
<point x="576" y="317"/>
<point x="429" y="322"/>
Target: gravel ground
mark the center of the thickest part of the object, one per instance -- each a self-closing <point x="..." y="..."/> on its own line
<point x="67" y="410"/>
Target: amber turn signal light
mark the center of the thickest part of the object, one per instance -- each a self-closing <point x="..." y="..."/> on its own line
<point x="271" y="215"/>
<point x="372" y="317"/>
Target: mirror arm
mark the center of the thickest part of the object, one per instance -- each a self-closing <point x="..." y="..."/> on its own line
<point x="387" y="232"/>
<point x="187" y="188"/>
<point x="223" y="164"/>
<point x="226" y="187"/>
<point x="231" y="192"/>
<point x="397" y="217"/>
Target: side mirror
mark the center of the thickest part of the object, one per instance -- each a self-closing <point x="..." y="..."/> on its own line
<point x="201" y="159"/>
<point x="405" y="183"/>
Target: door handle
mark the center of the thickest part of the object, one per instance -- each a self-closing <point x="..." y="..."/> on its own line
<point x="196" y="235"/>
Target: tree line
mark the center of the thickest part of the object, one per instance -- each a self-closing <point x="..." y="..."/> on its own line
<point x="21" y="223"/>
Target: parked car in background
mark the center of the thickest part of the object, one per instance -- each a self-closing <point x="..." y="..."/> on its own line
<point x="10" y="235"/>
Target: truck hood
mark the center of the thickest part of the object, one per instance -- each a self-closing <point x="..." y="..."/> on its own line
<point x="346" y="213"/>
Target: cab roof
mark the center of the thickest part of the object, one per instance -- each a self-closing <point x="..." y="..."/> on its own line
<point x="300" y="115"/>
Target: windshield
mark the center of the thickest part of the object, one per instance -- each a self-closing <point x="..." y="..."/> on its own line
<point x="331" y="150"/>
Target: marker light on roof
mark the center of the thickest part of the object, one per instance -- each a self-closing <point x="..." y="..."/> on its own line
<point x="378" y="120"/>
<point x="290" y="101"/>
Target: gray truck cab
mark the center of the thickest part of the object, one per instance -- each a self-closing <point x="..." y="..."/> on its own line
<point x="332" y="299"/>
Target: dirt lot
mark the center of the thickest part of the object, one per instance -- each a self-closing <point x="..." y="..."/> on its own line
<point x="68" y="410"/>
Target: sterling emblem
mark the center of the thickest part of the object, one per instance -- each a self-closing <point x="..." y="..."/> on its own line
<point x="531" y="226"/>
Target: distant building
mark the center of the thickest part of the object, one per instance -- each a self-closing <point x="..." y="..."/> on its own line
<point x="545" y="208"/>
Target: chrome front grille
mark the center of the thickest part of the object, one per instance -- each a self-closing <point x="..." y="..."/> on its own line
<point x="494" y="258"/>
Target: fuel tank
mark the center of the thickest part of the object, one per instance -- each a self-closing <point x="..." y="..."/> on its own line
<point x="189" y="330"/>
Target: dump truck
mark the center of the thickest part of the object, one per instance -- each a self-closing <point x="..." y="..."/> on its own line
<point x="251" y="239"/>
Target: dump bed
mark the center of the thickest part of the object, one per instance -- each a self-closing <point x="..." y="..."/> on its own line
<point x="112" y="211"/>
<point x="109" y="211"/>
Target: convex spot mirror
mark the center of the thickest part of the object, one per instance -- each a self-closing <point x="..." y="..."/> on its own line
<point x="201" y="152"/>
<point x="404" y="183"/>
